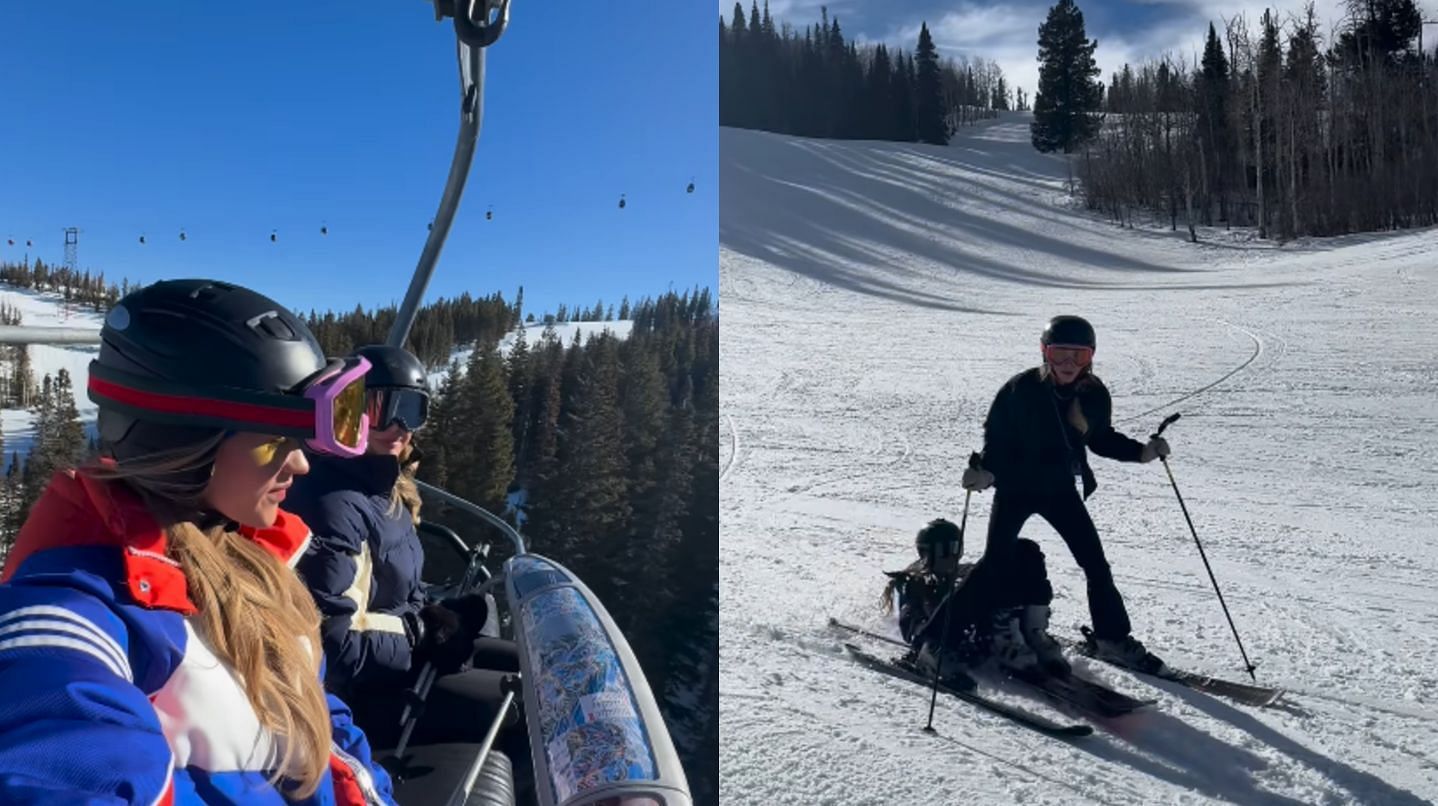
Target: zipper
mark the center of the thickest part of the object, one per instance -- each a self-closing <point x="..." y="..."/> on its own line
<point x="362" y="777"/>
<point x="1075" y="466"/>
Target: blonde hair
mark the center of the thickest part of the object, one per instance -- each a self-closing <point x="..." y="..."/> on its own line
<point x="918" y="567"/>
<point x="254" y="611"/>
<point x="406" y="492"/>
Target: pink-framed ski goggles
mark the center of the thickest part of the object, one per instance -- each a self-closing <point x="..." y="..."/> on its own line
<point x="1059" y="354"/>
<point x="326" y="412"/>
<point x="341" y="424"/>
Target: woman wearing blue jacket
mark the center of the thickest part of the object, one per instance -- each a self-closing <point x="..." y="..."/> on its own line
<point x="156" y="645"/>
<point x="364" y="569"/>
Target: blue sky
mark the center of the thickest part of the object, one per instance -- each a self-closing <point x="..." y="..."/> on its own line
<point x="233" y="120"/>
<point x="1129" y="31"/>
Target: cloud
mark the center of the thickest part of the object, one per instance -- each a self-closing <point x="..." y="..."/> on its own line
<point x="801" y="13"/>
<point x="1007" y="33"/>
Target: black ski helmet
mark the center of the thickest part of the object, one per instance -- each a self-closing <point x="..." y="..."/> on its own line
<point x="938" y="531"/>
<point x="205" y="337"/>
<point x="1071" y="331"/>
<point x="393" y="367"/>
<point x="397" y="388"/>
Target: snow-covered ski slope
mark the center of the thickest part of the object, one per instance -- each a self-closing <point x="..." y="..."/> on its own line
<point x="48" y="309"/>
<point x="877" y="295"/>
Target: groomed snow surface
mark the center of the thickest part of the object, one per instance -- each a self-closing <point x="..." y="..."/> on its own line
<point x="876" y="297"/>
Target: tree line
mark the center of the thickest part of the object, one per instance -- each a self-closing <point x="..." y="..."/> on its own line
<point x="814" y="83"/>
<point x="1277" y="126"/>
<point x="607" y="448"/>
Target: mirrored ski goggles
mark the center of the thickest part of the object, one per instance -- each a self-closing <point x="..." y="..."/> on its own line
<point x="389" y="405"/>
<point x="1059" y="354"/>
<point x="341" y="427"/>
<point x="327" y="411"/>
<point x="266" y="453"/>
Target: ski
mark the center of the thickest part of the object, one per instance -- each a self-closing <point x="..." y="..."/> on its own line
<point x="1087" y="696"/>
<point x="1029" y="720"/>
<point x="1245" y="693"/>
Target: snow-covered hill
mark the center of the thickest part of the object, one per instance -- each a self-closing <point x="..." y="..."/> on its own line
<point x="49" y="310"/>
<point x="877" y="295"/>
<point x="533" y="333"/>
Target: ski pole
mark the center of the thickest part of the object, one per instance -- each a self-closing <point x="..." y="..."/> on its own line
<point x="1248" y="665"/>
<point x="943" y="636"/>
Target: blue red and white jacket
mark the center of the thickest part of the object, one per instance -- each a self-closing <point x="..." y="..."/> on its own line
<point x="107" y="693"/>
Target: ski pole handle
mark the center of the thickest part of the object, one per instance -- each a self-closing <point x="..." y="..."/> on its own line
<point x="1170" y="420"/>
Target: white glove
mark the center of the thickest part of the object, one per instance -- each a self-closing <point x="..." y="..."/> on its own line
<point x="977" y="479"/>
<point x="1156" y="447"/>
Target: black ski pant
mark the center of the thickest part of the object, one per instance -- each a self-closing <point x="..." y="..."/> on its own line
<point x="1064" y="510"/>
<point x="1019" y="579"/>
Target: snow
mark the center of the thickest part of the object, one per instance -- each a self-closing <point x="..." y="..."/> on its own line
<point x="47" y="309"/>
<point x="533" y="332"/>
<point x="878" y="294"/>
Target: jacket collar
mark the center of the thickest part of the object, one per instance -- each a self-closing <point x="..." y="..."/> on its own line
<point x="372" y="474"/>
<point x="77" y="509"/>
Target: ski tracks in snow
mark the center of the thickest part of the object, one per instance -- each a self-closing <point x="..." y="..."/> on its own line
<point x="1257" y="351"/>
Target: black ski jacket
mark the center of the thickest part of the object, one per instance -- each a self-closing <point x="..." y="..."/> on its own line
<point x="1037" y="434"/>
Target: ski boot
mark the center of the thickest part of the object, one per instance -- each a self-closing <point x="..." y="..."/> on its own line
<point x="953" y="675"/>
<point x="1125" y="651"/>
<point x="1008" y="646"/>
<point x="1034" y="624"/>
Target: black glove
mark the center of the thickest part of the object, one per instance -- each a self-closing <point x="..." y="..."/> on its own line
<point x="449" y="631"/>
<point x="473" y="611"/>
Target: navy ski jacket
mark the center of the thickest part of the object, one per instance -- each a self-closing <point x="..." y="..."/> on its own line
<point x="363" y="567"/>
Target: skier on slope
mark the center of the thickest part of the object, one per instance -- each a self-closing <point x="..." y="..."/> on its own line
<point x="156" y="645"/>
<point x="982" y="622"/>
<point x="1035" y="437"/>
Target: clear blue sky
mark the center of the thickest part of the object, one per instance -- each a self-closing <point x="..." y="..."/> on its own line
<point x="234" y="119"/>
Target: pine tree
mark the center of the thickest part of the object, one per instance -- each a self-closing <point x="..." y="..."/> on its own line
<point x="1214" y="134"/>
<point x="14" y="493"/>
<point x="643" y="400"/>
<point x="7" y="510"/>
<point x="70" y="439"/>
<point x="1066" y="108"/>
<point x="480" y="462"/>
<point x="22" y="380"/>
<point x="1000" y="100"/>
<point x="929" y="109"/>
<point x="903" y="98"/>
<point x="441" y="431"/>
<point x="1380" y="33"/>
<point x="519" y="370"/>
<point x="591" y="456"/>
